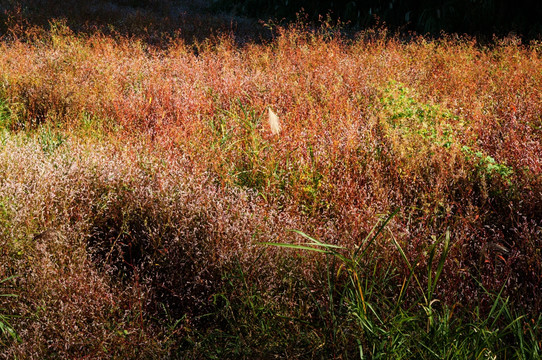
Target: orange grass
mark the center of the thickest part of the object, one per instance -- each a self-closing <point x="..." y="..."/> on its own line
<point x="448" y="131"/>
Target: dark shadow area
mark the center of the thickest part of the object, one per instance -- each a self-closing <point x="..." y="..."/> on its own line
<point x="157" y="21"/>
<point x="153" y="21"/>
<point x="480" y="18"/>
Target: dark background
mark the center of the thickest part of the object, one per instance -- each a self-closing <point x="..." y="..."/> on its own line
<point x="483" y="18"/>
<point x="475" y="17"/>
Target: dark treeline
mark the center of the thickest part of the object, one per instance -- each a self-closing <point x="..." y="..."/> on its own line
<point x="476" y="17"/>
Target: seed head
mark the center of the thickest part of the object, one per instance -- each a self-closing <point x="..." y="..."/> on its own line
<point x="274" y="122"/>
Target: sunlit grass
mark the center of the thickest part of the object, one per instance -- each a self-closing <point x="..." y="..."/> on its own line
<point x="156" y="173"/>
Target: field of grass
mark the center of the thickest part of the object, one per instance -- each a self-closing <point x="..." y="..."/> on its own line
<point x="148" y="209"/>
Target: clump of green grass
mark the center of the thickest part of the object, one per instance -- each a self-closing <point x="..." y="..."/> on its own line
<point x="5" y="115"/>
<point x="394" y="315"/>
<point x="7" y="331"/>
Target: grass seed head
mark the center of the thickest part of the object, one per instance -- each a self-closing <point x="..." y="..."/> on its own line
<point x="274" y="122"/>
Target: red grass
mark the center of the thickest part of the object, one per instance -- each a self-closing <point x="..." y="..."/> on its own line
<point x="447" y="131"/>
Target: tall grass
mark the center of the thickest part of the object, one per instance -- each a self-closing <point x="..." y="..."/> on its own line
<point x="137" y="181"/>
<point x="6" y="329"/>
<point x="409" y="321"/>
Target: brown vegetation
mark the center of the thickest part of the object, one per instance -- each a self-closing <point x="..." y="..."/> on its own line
<point x="158" y="173"/>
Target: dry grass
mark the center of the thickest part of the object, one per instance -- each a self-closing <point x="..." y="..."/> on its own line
<point x="274" y="123"/>
<point x="155" y="169"/>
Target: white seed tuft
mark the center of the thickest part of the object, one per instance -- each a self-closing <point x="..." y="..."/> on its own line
<point x="274" y="122"/>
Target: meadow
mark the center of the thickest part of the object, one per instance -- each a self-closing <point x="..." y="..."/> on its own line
<point x="148" y="209"/>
